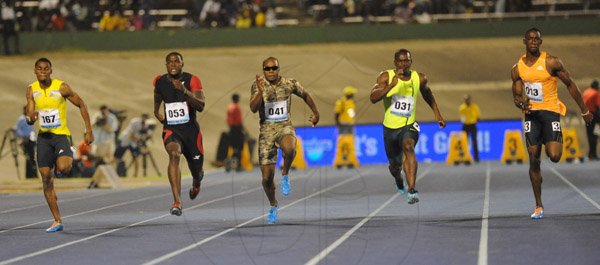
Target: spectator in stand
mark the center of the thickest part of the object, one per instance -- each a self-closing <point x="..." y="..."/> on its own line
<point x="260" y="19"/>
<point x="58" y="21"/>
<point x="243" y="21"/>
<point x="9" y="25"/>
<point x="336" y="11"/>
<point x="210" y="14"/>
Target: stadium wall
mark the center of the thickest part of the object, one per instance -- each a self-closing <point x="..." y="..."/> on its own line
<point x="183" y="38"/>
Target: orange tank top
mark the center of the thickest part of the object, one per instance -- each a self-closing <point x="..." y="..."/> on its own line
<point x="540" y="87"/>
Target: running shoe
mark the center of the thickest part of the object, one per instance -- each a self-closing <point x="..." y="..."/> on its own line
<point x="194" y="190"/>
<point x="272" y="217"/>
<point x="538" y="213"/>
<point x="176" y="209"/>
<point x="55" y="227"/>
<point x="413" y="196"/>
<point x="285" y="185"/>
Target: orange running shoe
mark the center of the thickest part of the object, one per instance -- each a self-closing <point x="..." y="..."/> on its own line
<point x="176" y="209"/>
<point x="538" y="213"/>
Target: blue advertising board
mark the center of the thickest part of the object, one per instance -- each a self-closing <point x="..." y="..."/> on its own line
<point x="319" y="143"/>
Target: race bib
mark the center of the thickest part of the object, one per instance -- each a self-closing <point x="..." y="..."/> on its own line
<point x="177" y="113"/>
<point x="533" y="91"/>
<point x="276" y="111"/>
<point x="49" y="119"/>
<point x="402" y="105"/>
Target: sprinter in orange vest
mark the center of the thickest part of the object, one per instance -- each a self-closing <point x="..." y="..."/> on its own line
<point x="535" y="93"/>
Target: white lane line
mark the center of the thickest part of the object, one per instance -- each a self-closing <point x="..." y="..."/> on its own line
<point x="208" y="239"/>
<point x="86" y="212"/>
<point x="483" y="239"/>
<point x="316" y="259"/>
<point x="59" y="201"/>
<point x="575" y="188"/>
<point x="19" y="258"/>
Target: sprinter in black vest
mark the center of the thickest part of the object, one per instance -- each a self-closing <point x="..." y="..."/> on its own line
<point x="182" y="95"/>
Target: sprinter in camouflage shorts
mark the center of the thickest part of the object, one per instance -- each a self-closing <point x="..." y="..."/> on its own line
<point x="271" y="97"/>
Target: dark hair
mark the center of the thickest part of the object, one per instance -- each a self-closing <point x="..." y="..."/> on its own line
<point x="43" y="59"/>
<point x="103" y="107"/>
<point x="174" y="53"/>
<point x="235" y="97"/>
<point x="533" y="29"/>
<point x="397" y="54"/>
<point x="594" y="84"/>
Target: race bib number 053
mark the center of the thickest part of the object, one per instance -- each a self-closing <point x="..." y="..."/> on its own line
<point x="177" y="113"/>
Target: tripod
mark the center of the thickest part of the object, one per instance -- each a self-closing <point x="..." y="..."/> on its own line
<point x="10" y="136"/>
<point x="145" y="153"/>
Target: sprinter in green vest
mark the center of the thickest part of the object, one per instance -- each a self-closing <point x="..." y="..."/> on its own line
<point x="399" y="89"/>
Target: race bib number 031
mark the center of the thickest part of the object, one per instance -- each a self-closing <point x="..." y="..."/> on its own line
<point x="177" y="113"/>
<point x="276" y="111"/>
<point x="49" y="119"/>
<point x="402" y="105"/>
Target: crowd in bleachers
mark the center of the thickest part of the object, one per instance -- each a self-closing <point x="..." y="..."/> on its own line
<point x="109" y="15"/>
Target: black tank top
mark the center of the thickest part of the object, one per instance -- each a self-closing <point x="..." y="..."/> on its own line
<point x="177" y="112"/>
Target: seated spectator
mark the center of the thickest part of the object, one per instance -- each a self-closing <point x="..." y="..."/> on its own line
<point x="244" y="21"/>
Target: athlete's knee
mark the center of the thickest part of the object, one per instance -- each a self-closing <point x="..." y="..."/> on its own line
<point x="64" y="168"/>
<point x="555" y="158"/>
<point x="267" y="182"/>
<point x="408" y="148"/>
<point x="174" y="154"/>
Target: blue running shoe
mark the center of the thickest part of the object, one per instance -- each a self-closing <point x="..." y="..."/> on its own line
<point x="272" y="217"/>
<point x="538" y="213"/>
<point x="285" y="185"/>
<point x="55" y="227"/>
<point x="413" y="196"/>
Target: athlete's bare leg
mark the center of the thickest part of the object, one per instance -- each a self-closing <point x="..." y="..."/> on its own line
<point x="174" y="152"/>
<point x="535" y="174"/>
<point x="554" y="151"/>
<point x="49" y="193"/>
<point x="268" y="173"/>
<point x="288" y="150"/>
<point x="410" y="162"/>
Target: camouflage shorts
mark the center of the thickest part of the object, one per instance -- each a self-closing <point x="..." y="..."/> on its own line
<point x="268" y="140"/>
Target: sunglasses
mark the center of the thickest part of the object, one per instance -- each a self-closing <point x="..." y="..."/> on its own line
<point x="270" y="68"/>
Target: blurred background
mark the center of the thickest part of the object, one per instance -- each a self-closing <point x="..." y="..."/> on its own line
<point x="110" y="51"/>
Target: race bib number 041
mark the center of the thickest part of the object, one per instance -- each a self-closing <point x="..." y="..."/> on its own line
<point x="276" y="111"/>
<point x="177" y="113"/>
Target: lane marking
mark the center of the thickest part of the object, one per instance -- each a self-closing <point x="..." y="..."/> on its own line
<point x="483" y="239"/>
<point x="575" y="188"/>
<point x="316" y="259"/>
<point x="208" y="239"/>
<point x="59" y="201"/>
<point x="19" y="258"/>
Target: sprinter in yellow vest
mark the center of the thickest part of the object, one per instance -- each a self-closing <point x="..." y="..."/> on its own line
<point x="535" y="93"/>
<point x="46" y="103"/>
<point x="399" y="89"/>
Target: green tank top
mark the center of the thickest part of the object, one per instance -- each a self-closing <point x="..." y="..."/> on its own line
<point x="400" y="102"/>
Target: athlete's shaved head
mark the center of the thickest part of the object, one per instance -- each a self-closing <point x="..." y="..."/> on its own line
<point x="273" y="59"/>
<point x="539" y="32"/>
<point x="402" y="51"/>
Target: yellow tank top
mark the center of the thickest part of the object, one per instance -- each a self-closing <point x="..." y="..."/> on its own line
<point x="52" y="108"/>
<point x="540" y="87"/>
<point x="347" y="110"/>
<point x="400" y="102"/>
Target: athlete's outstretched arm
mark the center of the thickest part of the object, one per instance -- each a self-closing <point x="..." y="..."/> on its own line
<point x="558" y="69"/>
<point x="157" y="101"/>
<point x="256" y="92"/>
<point x="67" y="92"/>
<point x="521" y="101"/>
<point x="430" y="99"/>
<point x="381" y="87"/>
<point x="30" y="114"/>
